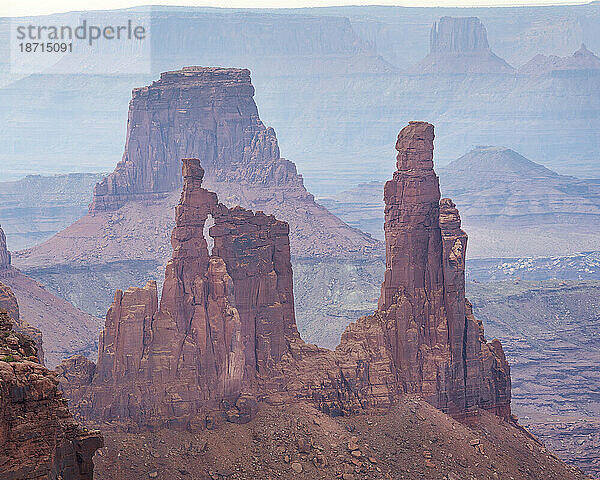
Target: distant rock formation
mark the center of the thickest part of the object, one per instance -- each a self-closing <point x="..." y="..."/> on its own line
<point x="582" y="59"/>
<point x="498" y="191"/>
<point x="224" y="333"/>
<point x="209" y="113"/>
<point x="36" y="207"/>
<point x="39" y="439"/>
<point x="68" y="329"/>
<point x="460" y="46"/>
<point x="458" y="35"/>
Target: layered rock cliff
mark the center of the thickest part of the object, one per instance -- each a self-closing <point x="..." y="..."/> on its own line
<point x="460" y="45"/>
<point x="224" y="333"/>
<point x="39" y="439"/>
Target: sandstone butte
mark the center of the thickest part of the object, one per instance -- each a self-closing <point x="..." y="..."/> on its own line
<point x="223" y="336"/>
<point x="39" y="439"/>
<point x="210" y="114"/>
<point x="459" y="45"/>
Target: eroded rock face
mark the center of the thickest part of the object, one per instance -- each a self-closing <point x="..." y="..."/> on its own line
<point x="423" y="337"/>
<point x="211" y="116"/>
<point x="39" y="439"/>
<point x="224" y="332"/>
<point x="223" y="320"/>
<point x="8" y="303"/>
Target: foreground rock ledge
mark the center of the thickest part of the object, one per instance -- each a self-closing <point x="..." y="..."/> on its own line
<point x="39" y="439"/>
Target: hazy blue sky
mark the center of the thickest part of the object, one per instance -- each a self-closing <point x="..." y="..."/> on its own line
<point x="38" y="7"/>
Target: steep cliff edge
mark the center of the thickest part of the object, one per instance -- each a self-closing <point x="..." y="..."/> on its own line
<point x="39" y="439"/>
<point x="224" y="333"/>
<point x="8" y="303"/>
<point x="459" y="45"/>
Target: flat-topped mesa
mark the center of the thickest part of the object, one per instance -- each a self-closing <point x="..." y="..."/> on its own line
<point x="207" y="77"/>
<point x="224" y="318"/>
<point x="211" y="115"/>
<point x="458" y="35"/>
<point x="4" y="253"/>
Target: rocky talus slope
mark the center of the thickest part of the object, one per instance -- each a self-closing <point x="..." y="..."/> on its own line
<point x="459" y="45"/>
<point x="224" y="334"/>
<point x="412" y="441"/>
<point x="66" y="329"/>
<point x="39" y="440"/>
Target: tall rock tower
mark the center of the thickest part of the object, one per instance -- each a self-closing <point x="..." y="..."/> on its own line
<point x="4" y="253"/>
<point x="436" y="345"/>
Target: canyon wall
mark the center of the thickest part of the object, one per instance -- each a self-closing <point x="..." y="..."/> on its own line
<point x="224" y="333"/>
<point x="39" y="439"/>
